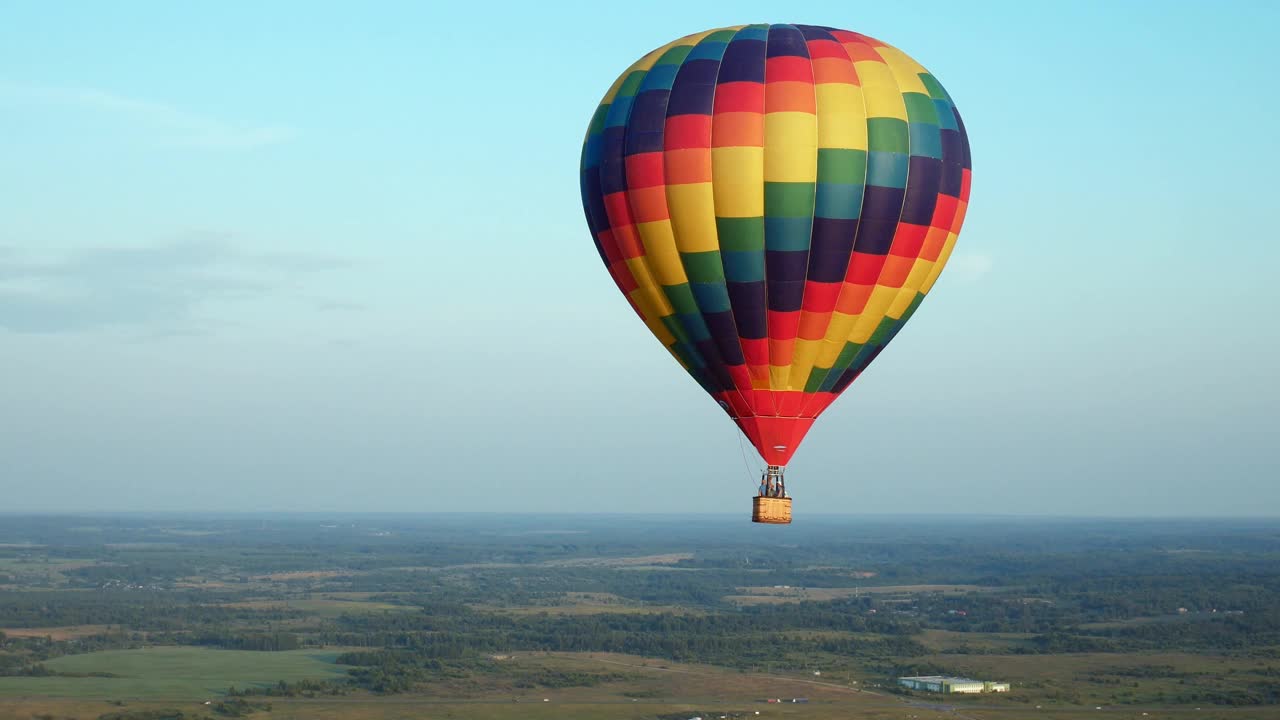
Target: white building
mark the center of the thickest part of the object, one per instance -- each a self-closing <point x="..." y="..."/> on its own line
<point x="946" y="684"/>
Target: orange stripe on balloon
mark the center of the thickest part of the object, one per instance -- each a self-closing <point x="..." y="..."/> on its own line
<point x="790" y="97"/>
<point x="934" y="241"/>
<point x="690" y="165"/>
<point x="896" y="270"/>
<point x="854" y="298"/>
<point x="737" y="129"/>
<point x="834" y="70"/>
<point x="649" y="204"/>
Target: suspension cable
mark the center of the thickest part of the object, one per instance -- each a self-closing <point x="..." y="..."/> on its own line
<point x="746" y="464"/>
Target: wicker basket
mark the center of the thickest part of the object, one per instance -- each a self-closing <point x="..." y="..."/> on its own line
<point x="772" y="510"/>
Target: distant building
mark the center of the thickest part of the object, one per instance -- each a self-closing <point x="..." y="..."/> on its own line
<point x="945" y="684"/>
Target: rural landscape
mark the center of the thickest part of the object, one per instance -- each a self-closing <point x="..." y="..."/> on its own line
<point x="464" y="361"/>
<point x="143" y="617"/>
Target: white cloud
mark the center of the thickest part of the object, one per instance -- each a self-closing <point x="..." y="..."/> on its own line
<point x="173" y="126"/>
<point x="969" y="266"/>
<point x="162" y="288"/>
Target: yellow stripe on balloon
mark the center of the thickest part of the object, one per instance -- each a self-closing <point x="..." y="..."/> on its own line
<point x="880" y="91"/>
<point x="660" y="250"/>
<point x="905" y="70"/>
<point x="869" y="319"/>
<point x="842" y="121"/>
<point x="652" y="301"/>
<point x="739" y="181"/>
<point x="900" y="303"/>
<point x="838" y="333"/>
<point x="790" y="147"/>
<point x="693" y="217"/>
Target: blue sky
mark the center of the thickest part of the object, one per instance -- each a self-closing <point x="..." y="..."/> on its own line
<point x="300" y="256"/>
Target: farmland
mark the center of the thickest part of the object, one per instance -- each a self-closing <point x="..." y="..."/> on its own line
<point x="170" y="672"/>
<point x="387" y="616"/>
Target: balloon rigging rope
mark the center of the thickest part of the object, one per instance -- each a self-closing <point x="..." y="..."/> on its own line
<point x="746" y="464"/>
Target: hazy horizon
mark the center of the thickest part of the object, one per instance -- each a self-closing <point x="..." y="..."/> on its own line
<point x="327" y="261"/>
<point x="650" y="514"/>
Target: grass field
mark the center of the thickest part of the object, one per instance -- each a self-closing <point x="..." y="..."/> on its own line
<point x="589" y="603"/>
<point x="40" y="564"/>
<point x="171" y="672"/>
<point x="418" y="708"/>
<point x="942" y="640"/>
<point x="303" y="575"/>
<point x="415" y="708"/>
<point x="646" y="689"/>
<point x="589" y="609"/>
<point x="634" y="561"/>
<point x="761" y="595"/>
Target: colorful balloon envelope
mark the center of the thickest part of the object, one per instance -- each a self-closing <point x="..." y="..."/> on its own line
<point x="775" y="201"/>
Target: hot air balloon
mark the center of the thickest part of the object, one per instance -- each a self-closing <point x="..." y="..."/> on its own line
<point x="775" y="201"/>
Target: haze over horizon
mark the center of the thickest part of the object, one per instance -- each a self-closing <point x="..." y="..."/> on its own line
<point x="345" y="268"/>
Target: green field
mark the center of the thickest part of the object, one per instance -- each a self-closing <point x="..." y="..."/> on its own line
<point x="427" y="709"/>
<point x="171" y="672"/>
